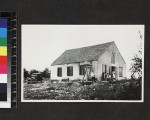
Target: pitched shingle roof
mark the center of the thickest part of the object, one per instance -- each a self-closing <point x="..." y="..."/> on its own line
<point x="89" y="53"/>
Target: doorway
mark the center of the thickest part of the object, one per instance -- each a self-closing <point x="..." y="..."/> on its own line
<point x="114" y="70"/>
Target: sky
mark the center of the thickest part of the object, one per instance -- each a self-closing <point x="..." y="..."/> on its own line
<point x="42" y="44"/>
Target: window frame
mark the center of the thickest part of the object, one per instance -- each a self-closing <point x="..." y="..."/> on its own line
<point x="81" y="70"/>
<point x="120" y="71"/>
<point x="69" y="70"/>
<point x="113" y="58"/>
<point x="59" y="72"/>
<point x="103" y="68"/>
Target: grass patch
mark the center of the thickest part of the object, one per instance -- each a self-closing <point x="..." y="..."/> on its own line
<point x="117" y="90"/>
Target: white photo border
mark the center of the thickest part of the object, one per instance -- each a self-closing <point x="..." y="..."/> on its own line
<point x="95" y="101"/>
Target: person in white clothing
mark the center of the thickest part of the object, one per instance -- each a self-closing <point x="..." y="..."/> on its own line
<point x="113" y="75"/>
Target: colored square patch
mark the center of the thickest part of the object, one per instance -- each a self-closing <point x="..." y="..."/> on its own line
<point x="3" y="51"/>
<point x="3" y="41"/>
<point x="3" y="96"/>
<point x="3" y="32"/>
<point x="3" y="60"/>
<point x="3" y="69"/>
<point x="3" y="87"/>
<point x="3" y="78"/>
<point x="3" y="23"/>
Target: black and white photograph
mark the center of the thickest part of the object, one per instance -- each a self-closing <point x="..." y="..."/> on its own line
<point x="82" y="63"/>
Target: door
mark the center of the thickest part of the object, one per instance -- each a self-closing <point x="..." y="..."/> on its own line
<point x="87" y="73"/>
<point x="114" y="69"/>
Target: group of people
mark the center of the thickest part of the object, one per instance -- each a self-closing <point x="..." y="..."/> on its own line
<point x="106" y="76"/>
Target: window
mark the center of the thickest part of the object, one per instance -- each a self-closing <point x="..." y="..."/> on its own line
<point x="103" y="68"/>
<point x="120" y="71"/>
<point x="113" y="58"/>
<point x="107" y="69"/>
<point x="59" y="72"/>
<point x="82" y="70"/>
<point x="70" y="71"/>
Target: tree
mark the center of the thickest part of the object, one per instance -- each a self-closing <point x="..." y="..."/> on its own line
<point x="136" y="66"/>
<point x="26" y="73"/>
<point x="46" y="73"/>
<point x="33" y="71"/>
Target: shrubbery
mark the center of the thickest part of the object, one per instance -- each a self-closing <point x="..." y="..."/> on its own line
<point x="121" y="90"/>
<point x="118" y="90"/>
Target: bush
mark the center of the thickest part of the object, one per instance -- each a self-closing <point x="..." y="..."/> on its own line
<point x="118" y="90"/>
<point x="130" y="91"/>
<point x="122" y="90"/>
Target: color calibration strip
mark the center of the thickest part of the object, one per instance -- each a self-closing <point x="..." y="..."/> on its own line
<point x="8" y="59"/>
<point x="3" y="59"/>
